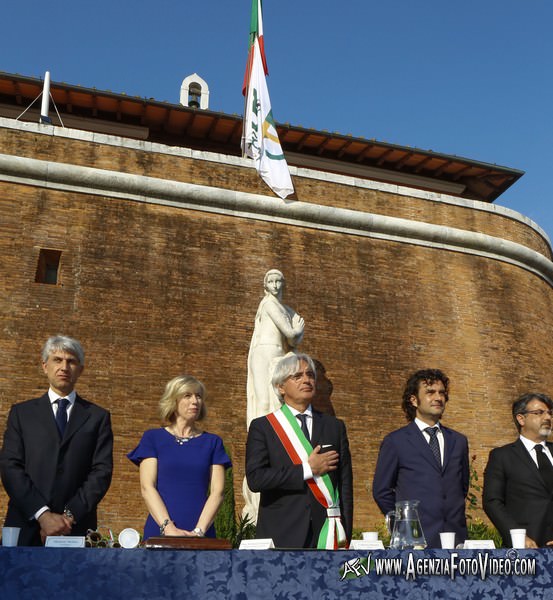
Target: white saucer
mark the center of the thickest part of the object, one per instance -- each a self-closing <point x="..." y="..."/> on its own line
<point x="129" y="538"/>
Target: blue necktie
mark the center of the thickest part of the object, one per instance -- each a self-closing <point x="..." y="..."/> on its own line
<point x="434" y="445"/>
<point x="61" y="414"/>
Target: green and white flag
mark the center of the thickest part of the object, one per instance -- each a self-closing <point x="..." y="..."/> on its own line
<point x="259" y="137"/>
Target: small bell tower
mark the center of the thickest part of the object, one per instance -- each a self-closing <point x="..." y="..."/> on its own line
<point x="194" y="92"/>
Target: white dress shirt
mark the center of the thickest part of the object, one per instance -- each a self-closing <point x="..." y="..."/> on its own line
<point x="308" y="412"/>
<point x="54" y="397"/>
<point x="529" y="445"/>
<point x="439" y="435"/>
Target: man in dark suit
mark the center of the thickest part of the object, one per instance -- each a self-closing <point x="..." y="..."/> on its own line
<point x="518" y="479"/>
<point x="425" y="461"/>
<point x="56" y="461"/>
<point x="290" y="454"/>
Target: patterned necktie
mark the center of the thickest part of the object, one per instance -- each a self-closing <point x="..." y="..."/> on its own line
<point x="61" y="414"/>
<point x="434" y="445"/>
<point x="545" y="467"/>
<point x="303" y="419"/>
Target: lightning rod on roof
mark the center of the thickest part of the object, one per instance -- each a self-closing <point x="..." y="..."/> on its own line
<point x="44" y="118"/>
<point x="45" y="106"/>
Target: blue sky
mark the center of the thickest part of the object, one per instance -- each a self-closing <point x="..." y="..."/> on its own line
<point x="472" y="79"/>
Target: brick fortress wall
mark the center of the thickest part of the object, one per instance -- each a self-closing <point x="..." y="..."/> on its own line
<point x="153" y="291"/>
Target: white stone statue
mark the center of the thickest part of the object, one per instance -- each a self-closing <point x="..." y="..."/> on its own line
<point x="278" y="330"/>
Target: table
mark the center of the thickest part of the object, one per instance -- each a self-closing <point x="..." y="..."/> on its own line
<point x="72" y="574"/>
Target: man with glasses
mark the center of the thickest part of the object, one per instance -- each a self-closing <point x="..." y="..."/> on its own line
<point x="518" y="480"/>
<point x="299" y="459"/>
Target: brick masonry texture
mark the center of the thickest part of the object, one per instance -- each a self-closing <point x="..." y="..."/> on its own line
<point x="155" y="291"/>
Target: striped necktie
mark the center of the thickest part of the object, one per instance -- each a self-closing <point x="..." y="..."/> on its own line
<point x="434" y="444"/>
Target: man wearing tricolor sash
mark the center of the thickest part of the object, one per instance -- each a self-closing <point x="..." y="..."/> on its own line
<point x="299" y="460"/>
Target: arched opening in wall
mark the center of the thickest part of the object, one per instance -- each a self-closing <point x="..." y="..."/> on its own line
<point x="194" y="92"/>
<point x="47" y="270"/>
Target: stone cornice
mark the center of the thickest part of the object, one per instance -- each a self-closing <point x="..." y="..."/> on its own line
<point x="330" y="175"/>
<point x="74" y="178"/>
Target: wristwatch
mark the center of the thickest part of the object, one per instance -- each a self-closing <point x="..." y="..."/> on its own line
<point x="67" y="513"/>
<point x="198" y="531"/>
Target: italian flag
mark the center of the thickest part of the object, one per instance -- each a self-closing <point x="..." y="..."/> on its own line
<point x="259" y="136"/>
<point x="256" y="32"/>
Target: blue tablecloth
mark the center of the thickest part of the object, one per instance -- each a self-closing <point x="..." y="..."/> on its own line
<point x="72" y="574"/>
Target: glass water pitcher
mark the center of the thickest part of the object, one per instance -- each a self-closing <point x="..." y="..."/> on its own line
<point x="404" y="526"/>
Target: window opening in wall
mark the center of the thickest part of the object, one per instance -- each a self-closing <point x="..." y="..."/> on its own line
<point x="47" y="270"/>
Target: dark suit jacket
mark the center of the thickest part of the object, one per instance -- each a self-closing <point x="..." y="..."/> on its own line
<point x="38" y="469"/>
<point x="407" y="470"/>
<point x="287" y="506"/>
<point x="515" y="496"/>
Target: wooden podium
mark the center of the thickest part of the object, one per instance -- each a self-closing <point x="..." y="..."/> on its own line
<point x="186" y="543"/>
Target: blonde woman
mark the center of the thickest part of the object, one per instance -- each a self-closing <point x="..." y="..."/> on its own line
<point x="179" y="463"/>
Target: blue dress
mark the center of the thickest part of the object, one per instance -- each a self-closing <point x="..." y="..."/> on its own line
<point x="183" y="474"/>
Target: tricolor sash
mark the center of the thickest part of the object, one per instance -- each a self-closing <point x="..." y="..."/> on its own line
<point x="295" y="443"/>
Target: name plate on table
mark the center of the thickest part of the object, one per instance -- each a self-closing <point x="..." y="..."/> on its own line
<point x="260" y="544"/>
<point x="176" y="542"/>
<point x="479" y="545"/>
<point x="65" y="541"/>
<point x="366" y="545"/>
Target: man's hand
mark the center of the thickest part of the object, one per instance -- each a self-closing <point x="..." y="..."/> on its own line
<point x="69" y="520"/>
<point x="53" y="524"/>
<point x="529" y="543"/>
<point x="323" y="463"/>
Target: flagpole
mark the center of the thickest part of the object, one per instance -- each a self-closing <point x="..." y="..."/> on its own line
<point x="242" y="143"/>
<point x="247" y="75"/>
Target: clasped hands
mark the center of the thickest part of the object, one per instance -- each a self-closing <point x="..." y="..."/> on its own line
<point x="323" y="462"/>
<point x="172" y="530"/>
<point x="54" y="524"/>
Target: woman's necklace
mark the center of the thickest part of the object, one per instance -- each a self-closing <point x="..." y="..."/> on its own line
<point x="182" y="439"/>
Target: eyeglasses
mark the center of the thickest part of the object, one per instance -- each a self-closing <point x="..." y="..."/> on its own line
<point x="539" y="412"/>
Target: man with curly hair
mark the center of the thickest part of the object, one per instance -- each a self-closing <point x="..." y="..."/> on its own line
<point x="425" y="461"/>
